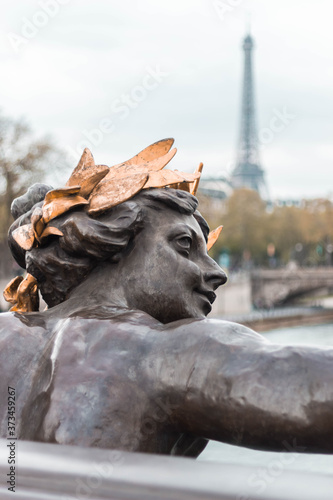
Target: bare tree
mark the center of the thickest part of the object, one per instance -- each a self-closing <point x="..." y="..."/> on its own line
<point x="23" y="161"/>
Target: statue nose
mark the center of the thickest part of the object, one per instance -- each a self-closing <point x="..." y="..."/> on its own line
<point x="215" y="277"/>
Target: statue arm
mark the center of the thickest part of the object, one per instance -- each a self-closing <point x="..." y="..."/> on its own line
<point x="234" y="386"/>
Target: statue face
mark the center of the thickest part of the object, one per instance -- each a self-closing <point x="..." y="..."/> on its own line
<point x="169" y="274"/>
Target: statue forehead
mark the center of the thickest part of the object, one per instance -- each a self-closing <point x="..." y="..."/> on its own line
<point x="169" y="223"/>
<point x="156" y="213"/>
<point x="170" y="219"/>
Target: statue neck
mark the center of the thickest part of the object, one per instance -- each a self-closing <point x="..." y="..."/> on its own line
<point x="102" y="289"/>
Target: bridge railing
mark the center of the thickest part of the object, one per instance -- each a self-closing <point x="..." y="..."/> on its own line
<point x="56" y="472"/>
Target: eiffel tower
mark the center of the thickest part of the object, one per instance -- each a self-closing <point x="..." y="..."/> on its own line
<point x="248" y="172"/>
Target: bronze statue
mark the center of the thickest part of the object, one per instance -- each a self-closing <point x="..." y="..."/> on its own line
<point x="124" y="356"/>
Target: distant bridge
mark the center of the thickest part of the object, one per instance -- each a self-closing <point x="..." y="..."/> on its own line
<point x="280" y="286"/>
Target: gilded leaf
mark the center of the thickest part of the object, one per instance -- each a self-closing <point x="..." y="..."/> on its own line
<point x="156" y="150"/>
<point x="24" y="236"/>
<point x="126" y="170"/>
<point x="168" y="178"/>
<point x="10" y="292"/>
<point x="113" y="191"/>
<point x="27" y="296"/>
<point x="195" y="185"/>
<point x="213" y="237"/>
<point x="86" y="174"/>
<point x="60" y="193"/>
<point x="59" y="206"/>
<point x="50" y="230"/>
<point x="37" y="222"/>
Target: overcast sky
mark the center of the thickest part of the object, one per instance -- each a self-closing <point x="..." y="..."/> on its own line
<point x="118" y="75"/>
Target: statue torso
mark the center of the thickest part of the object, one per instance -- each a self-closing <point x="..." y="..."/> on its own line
<point x="92" y="381"/>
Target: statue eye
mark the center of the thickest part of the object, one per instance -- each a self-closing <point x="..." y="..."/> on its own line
<point x="184" y="244"/>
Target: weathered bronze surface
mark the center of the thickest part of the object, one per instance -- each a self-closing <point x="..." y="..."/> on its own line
<point x="125" y="358"/>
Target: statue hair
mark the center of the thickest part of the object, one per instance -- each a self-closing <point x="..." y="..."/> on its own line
<point x="63" y="262"/>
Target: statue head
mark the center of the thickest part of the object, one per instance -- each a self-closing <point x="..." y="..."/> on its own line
<point x="151" y="246"/>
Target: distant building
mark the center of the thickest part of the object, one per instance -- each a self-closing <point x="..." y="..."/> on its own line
<point x="248" y="172"/>
<point x="288" y="203"/>
<point x="216" y="187"/>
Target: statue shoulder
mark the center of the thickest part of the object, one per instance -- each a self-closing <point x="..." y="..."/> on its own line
<point x="12" y="323"/>
<point x="108" y="329"/>
<point x="220" y="331"/>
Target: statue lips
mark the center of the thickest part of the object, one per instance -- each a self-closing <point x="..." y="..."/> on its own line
<point x="208" y="296"/>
